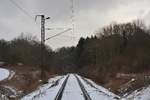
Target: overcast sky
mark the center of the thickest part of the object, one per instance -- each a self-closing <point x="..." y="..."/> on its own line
<point x="89" y="16"/>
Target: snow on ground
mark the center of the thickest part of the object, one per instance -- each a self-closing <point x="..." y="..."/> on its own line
<point x="11" y="75"/>
<point x="47" y="91"/>
<point x="12" y="91"/>
<point x="4" y="73"/>
<point x="3" y="97"/>
<point x="143" y="94"/>
<point x="72" y="90"/>
<point x="97" y="92"/>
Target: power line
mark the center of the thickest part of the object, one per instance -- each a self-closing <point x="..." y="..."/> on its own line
<point x="59" y="34"/>
<point x="58" y="28"/>
<point x="72" y="23"/>
<point x="21" y="9"/>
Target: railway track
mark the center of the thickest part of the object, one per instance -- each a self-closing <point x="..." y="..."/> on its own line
<point x="60" y="92"/>
<point x="88" y="82"/>
<point x="85" y="93"/>
<point x="73" y="87"/>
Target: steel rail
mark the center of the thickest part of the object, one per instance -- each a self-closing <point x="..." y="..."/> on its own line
<point x="85" y="93"/>
<point x="60" y="92"/>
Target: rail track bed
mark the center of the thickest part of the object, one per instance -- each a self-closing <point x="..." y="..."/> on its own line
<point x="72" y="87"/>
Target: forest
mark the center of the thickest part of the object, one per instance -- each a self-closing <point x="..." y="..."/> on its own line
<point x="123" y="47"/>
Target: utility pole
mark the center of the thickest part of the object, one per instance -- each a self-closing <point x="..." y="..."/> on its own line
<point x="43" y="39"/>
<point x="43" y="73"/>
<point x="43" y="67"/>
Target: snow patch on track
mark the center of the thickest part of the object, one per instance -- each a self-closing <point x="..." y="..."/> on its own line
<point x="72" y="90"/>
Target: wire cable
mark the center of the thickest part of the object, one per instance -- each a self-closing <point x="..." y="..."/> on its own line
<point x="58" y="34"/>
<point x="24" y="11"/>
<point x="21" y="9"/>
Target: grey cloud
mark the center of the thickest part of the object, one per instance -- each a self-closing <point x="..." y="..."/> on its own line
<point x="7" y="9"/>
<point x="89" y="16"/>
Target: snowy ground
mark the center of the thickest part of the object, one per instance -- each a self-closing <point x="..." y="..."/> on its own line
<point x="143" y="94"/>
<point x="72" y="90"/>
<point x="4" y="73"/>
<point x="97" y="92"/>
<point x="47" y="91"/>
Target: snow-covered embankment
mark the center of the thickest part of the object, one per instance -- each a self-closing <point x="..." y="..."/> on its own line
<point x="4" y="73"/>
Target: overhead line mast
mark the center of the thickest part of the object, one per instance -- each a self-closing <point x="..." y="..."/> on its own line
<point x="43" y="66"/>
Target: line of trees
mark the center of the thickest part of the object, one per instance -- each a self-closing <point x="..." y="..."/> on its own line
<point x="25" y="50"/>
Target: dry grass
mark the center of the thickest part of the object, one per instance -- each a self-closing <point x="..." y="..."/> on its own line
<point x="26" y="78"/>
